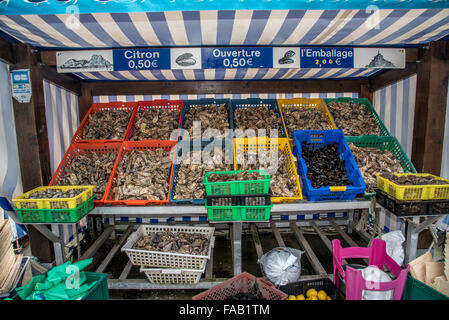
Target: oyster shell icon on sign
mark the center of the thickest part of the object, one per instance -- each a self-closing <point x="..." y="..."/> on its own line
<point x="286" y="57"/>
<point x="185" y="58"/>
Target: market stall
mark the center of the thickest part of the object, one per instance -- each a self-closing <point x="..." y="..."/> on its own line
<point x="111" y="93"/>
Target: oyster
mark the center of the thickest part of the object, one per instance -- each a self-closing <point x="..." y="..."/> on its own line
<point x="90" y="169"/>
<point x="143" y="175"/>
<point x="211" y="117"/>
<point x="303" y="119"/>
<point x="155" y="124"/>
<point x="55" y="193"/>
<point x="354" y="119"/>
<point x="372" y="161"/>
<point x="257" y="118"/>
<point x="281" y="184"/>
<point x="412" y="179"/>
<point x="214" y="177"/>
<point x="179" y="242"/>
<point x="107" y="125"/>
<point x="189" y="183"/>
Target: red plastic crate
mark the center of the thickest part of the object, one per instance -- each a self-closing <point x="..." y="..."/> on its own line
<point x="174" y="105"/>
<point x="127" y="146"/>
<point x="243" y="283"/>
<point x="96" y="107"/>
<point x="83" y="148"/>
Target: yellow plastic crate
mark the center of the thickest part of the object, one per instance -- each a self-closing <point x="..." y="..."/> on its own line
<point x="424" y="192"/>
<point x="254" y="144"/>
<point x="305" y="103"/>
<point x="23" y="202"/>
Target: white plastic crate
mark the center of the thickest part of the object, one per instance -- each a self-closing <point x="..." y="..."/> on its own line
<point x="157" y="259"/>
<point x="172" y="276"/>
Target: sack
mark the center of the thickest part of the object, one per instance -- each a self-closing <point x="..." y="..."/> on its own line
<point x="373" y="273"/>
<point x="282" y="265"/>
<point x="394" y="247"/>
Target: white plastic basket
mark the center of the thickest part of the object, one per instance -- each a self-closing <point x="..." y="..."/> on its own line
<point x="172" y="276"/>
<point x="157" y="259"/>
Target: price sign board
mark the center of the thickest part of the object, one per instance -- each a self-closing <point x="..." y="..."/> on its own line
<point x="21" y="85"/>
<point x="327" y="57"/>
<point x="141" y="59"/>
<point x="243" y="57"/>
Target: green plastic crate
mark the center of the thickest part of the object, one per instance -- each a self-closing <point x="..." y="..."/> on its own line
<point x="417" y="290"/>
<point x="383" y="129"/>
<point x="100" y="291"/>
<point x="55" y="215"/>
<point x="383" y="143"/>
<point x="243" y="187"/>
<point x="238" y="213"/>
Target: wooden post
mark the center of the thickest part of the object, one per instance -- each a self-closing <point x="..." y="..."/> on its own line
<point x="366" y="92"/>
<point x="85" y="100"/>
<point x="430" y="108"/>
<point x="32" y="141"/>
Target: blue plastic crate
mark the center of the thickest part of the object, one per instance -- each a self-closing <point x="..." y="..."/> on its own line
<point x="195" y="145"/>
<point x="204" y="102"/>
<point x="320" y="138"/>
<point x="258" y="103"/>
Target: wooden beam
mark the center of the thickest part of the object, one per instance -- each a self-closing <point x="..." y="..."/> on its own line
<point x="276" y="234"/>
<point x="48" y="58"/>
<point x="343" y="234"/>
<point x="85" y="100"/>
<point x="213" y="87"/>
<point x="316" y="265"/>
<point x="430" y="109"/>
<point x="67" y="81"/>
<point x="366" y="92"/>
<point x="391" y="76"/>
<point x="256" y="240"/>
<point x="126" y="271"/>
<point x="322" y="235"/>
<point x="114" y="250"/>
<point x="97" y="244"/>
<point x="6" y="51"/>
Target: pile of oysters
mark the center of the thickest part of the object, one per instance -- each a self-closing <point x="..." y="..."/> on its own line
<point x="303" y="119"/>
<point x="90" y="169"/>
<point x="245" y="175"/>
<point x="107" y="125"/>
<point x="372" y="161"/>
<point x="190" y="174"/>
<point x="143" y="175"/>
<point x="178" y="242"/>
<point x="354" y="119"/>
<point x="275" y="164"/>
<point x="158" y="123"/>
<point x="412" y="180"/>
<point x="257" y="118"/>
<point x="56" y="194"/>
<point x="211" y="117"/>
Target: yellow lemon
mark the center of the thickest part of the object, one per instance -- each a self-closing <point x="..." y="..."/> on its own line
<point x="291" y="297"/>
<point x="329" y="298"/>
<point x="311" y="292"/>
<point x="322" y="295"/>
<point x="313" y="298"/>
<point x="300" y="297"/>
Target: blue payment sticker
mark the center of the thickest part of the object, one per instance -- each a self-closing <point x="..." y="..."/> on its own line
<point x="327" y="57"/>
<point x="141" y="59"/>
<point x="243" y="57"/>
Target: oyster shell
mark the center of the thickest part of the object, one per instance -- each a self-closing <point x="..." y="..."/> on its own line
<point x="211" y="117"/>
<point x="90" y="169"/>
<point x="354" y="119"/>
<point x="179" y="242"/>
<point x="107" y="125"/>
<point x="55" y="193"/>
<point x="257" y="118"/>
<point x="303" y="119"/>
<point x="155" y="124"/>
<point x="143" y="175"/>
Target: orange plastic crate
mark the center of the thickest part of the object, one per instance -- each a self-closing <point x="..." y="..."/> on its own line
<point x="83" y="148"/>
<point x="96" y="107"/>
<point x="243" y="283"/>
<point x="128" y="146"/>
<point x="174" y="105"/>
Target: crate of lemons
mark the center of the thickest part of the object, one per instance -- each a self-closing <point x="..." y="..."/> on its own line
<point x="311" y="294"/>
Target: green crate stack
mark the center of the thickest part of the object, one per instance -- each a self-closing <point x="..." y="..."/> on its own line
<point x="56" y="215"/>
<point x="417" y="290"/>
<point x="245" y="187"/>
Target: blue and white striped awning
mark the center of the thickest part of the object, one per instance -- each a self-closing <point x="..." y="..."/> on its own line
<point x="228" y="74"/>
<point x="384" y="27"/>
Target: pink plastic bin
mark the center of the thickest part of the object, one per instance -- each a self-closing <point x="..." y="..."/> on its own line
<point x="377" y="256"/>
